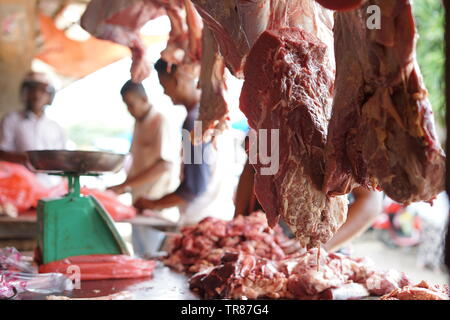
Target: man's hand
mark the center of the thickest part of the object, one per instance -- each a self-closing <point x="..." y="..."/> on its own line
<point x="168" y="201"/>
<point x="119" y="189"/>
<point x="143" y="204"/>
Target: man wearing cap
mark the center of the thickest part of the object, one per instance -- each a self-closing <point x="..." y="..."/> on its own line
<point x="30" y="129"/>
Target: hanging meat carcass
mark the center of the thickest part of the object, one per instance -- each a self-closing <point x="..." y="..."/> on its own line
<point x="381" y="134"/>
<point x="213" y="106"/>
<point x="224" y="20"/>
<point x="284" y="91"/>
<point x="184" y="44"/>
<point x="121" y="20"/>
<point x="288" y="87"/>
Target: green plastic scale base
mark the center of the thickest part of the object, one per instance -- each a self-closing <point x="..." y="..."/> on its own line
<point x="75" y="225"/>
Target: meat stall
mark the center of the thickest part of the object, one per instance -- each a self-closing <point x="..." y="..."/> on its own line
<point x="343" y="89"/>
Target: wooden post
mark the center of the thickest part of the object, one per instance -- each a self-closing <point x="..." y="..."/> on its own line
<point x="17" y="39"/>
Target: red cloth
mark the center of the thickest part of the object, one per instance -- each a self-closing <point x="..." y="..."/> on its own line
<point x="102" y="266"/>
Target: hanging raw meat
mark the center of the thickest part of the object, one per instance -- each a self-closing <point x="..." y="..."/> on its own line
<point x="381" y="133"/>
<point x="288" y="87"/>
<point x="184" y="44"/>
<point x="223" y="19"/>
<point x="289" y="74"/>
<point x="120" y="22"/>
<point x="213" y="106"/>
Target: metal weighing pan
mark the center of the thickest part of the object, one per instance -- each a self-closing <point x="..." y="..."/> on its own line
<point x="80" y="162"/>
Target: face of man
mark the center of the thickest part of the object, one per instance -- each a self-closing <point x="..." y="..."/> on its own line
<point x="170" y="86"/>
<point x="37" y="97"/>
<point x="181" y="88"/>
<point x="137" y="105"/>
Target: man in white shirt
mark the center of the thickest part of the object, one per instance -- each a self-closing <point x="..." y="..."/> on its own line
<point x="30" y="129"/>
<point x="153" y="173"/>
<point x="206" y="189"/>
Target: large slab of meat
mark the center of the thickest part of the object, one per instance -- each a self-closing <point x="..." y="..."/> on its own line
<point x="287" y="88"/>
<point x="307" y="276"/>
<point x="203" y="245"/>
<point x="381" y="134"/>
<point x="289" y="74"/>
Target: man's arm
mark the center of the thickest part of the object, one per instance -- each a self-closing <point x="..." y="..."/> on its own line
<point x="148" y="175"/>
<point x="361" y="214"/>
<point x="244" y="190"/>
<point x="196" y="178"/>
<point x="168" y="201"/>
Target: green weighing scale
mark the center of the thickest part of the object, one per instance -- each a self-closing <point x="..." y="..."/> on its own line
<point x="74" y="224"/>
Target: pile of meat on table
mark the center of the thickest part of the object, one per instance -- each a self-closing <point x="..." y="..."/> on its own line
<point x="203" y="245"/>
<point x="421" y="291"/>
<point x="244" y="258"/>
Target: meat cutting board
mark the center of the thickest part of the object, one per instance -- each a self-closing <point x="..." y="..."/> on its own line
<point x="165" y="285"/>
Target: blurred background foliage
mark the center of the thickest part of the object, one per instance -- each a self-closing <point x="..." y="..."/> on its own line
<point x="430" y="19"/>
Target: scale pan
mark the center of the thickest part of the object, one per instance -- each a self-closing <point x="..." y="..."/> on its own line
<point x="79" y="162"/>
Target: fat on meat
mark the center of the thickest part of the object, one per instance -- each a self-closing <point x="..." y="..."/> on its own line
<point x="381" y="134"/>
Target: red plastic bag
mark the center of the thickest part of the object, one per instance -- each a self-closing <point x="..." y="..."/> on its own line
<point x="102" y="266"/>
<point x="20" y="187"/>
<point x="113" y="206"/>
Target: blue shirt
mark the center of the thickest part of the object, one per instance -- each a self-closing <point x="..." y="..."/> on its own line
<point x="196" y="176"/>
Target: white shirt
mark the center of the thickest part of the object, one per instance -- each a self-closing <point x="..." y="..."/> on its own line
<point x="153" y="140"/>
<point x="21" y="131"/>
